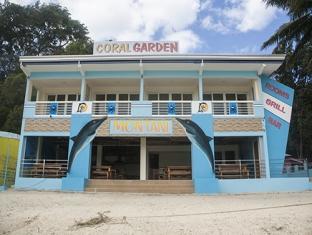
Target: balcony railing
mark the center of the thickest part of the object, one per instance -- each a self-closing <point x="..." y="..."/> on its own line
<point x="62" y="108"/>
<point x="171" y="108"/>
<point x="158" y="108"/>
<point x="43" y="168"/>
<point x="232" y="107"/>
<point x="111" y="108"/>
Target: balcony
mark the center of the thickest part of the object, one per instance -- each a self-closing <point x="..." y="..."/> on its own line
<point x="152" y="108"/>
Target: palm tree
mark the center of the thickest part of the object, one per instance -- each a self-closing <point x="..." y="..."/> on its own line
<point x="298" y="32"/>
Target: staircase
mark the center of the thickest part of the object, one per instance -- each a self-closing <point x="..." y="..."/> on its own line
<point x="140" y="186"/>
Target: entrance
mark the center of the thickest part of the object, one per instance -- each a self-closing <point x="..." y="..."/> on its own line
<point x="168" y="158"/>
<point x="115" y="158"/>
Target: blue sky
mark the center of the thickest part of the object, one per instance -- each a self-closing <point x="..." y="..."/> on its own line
<point x="207" y="26"/>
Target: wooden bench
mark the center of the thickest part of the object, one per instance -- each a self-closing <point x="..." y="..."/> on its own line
<point x="48" y="170"/>
<point x="232" y="171"/>
<point x="179" y="172"/>
<point x="103" y="172"/>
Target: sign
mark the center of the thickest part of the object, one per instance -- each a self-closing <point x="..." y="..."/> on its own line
<point x="277" y="107"/>
<point x="140" y="127"/>
<point x="83" y="107"/>
<point x="135" y="48"/>
<point x="203" y="107"/>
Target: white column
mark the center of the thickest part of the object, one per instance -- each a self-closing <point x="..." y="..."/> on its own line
<point x="28" y="90"/>
<point x="39" y="147"/>
<point x="83" y="90"/>
<point x="200" y="86"/>
<point x="143" y="159"/>
<point x="99" y="155"/>
<point x="141" y="88"/>
<point x="38" y="95"/>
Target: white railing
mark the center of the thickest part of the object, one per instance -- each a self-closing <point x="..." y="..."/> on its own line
<point x="238" y="169"/>
<point x="233" y="108"/>
<point x="111" y="108"/>
<point x="43" y="168"/>
<point x="61" y="107"/>
<point x="171" y="108"/>
<point x="159" y="108"/>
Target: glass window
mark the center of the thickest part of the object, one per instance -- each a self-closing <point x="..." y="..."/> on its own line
<point x="111" y="97"/>
<point x="217" y="96"/>
<point x="51" y="97"/>
<point x="60" y="97"/>
<point x="207" y="96"/>
<point x="163" y="96"/>
<point x="100" y="97"/>
<point x="123" y="97"/>
<point x="72" y="97"/>
<point x="241" y="96"/>
<point x="134" y="97"/>
<point x="152" y="96"/>
<point x="187" y="97"/>
<point x="176" y="97"/>
<point x="230" y="97"/>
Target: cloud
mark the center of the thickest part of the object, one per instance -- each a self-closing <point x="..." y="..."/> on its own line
<point x="134" y="19"/>
<point x="239" y="15"/>
<point x="188" y="40"/>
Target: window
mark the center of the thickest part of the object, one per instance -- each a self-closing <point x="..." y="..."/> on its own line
<point x="153" y="97"/>
<point x="100" y="97"/>
<point x="111" y="97"/>
<point x="72" y="97"/>
<point x="123" y="97"/>
<point x="217" y="96"/>
<point x="60" y="97"/>
<point x="51" y="97"/>
<point x="241" y="96"/>
<point x="176" y="97"/>
<point x="163" y="96"/>
<point x="230" y="96"/>
<point x="207" y="96"/>
<point x="187" y="97"/>
<point x="134" y="97"/>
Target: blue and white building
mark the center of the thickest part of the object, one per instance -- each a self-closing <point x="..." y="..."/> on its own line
<point x="142" y="87"/>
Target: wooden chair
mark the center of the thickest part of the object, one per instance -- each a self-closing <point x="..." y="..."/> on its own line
<point x="103" y="172"/>
<point x="179" y="172"/>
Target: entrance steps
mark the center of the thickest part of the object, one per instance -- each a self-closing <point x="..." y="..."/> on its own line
<point x="140" y="186"/>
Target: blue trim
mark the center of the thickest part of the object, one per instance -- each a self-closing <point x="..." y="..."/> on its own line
<point x="230" y="74"/>
<point x="112" y="74"/>
<point x="37" y="183"/>
<point x="55" y="75"/>
<point x="170" y="74"/>
<point x="238" y="133"/>
<point x="45" y="133"/>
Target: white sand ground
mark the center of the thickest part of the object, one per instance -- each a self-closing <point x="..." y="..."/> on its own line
<point x="56" y="213"/>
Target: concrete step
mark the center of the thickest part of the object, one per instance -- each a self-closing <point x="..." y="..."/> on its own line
<point x="140" y="186"/>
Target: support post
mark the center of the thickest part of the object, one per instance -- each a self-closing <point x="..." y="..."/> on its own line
<point x="143" y="158"/>
<point x="99" y="155"/>
<point x="141" y="88"/>
<point x="200" y="87"/>
<point x="83" y="90"/>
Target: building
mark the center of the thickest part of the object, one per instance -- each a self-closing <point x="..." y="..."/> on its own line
<point x="141" y="92"/>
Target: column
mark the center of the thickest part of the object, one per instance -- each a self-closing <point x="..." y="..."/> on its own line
<point x="264" y="145"/>
<point x="141" y="88"/>
<point x="143" y="158"/>
<point x="99" y="152"/>
<point x="28" y="90"/>
<point x="83" y="90"/>
<point x="200" y="86"/>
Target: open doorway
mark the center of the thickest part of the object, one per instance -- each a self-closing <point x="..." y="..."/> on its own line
<point x="168" y="158"/>
<point x="115" y="158"/>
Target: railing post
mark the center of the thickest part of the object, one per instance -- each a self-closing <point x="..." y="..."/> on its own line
<point x="43" y="167"/>
<point x="240" y="168"/>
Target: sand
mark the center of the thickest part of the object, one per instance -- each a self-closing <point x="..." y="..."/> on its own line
<point x="125" y="213"/>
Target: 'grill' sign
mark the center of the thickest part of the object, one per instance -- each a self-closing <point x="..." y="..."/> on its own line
<point x="135" y="48"/>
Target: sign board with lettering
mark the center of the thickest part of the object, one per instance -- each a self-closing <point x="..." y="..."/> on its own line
<point x="135" y="48"/>
<point x="277" y="99"/>
<point x="140" y="127"/>
<point x="83" y="107"/>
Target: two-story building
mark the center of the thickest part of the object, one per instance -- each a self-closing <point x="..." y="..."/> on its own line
<point x="140" y="145"/>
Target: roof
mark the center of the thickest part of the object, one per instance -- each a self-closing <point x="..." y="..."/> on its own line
<point x="264" y="63"/>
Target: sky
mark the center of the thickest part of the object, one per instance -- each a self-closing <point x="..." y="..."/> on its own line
<point x="200" y="26"/>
